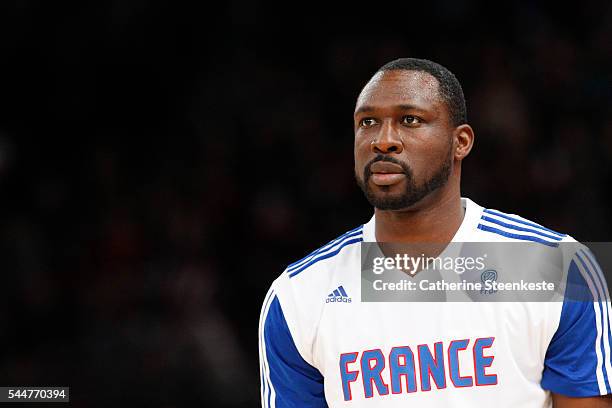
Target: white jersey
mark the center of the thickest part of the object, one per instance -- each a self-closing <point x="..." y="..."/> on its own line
<point x="348" y="353"/>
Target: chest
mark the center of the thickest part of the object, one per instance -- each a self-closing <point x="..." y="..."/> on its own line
<point x="370" y="350"/>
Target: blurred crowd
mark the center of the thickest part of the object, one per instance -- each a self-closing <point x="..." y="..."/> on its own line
<point x="159" y="167"/>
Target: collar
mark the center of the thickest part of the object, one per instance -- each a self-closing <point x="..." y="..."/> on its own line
<point x="470" y="219"/>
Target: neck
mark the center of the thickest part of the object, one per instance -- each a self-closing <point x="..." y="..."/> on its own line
<point x="436" y="220"/>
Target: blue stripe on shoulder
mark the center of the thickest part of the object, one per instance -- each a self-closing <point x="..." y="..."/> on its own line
<point x="591" y="258"/>
<point x="353" y="232"/>
<point x="516" y="236"/>
<point x="325" y="256"/>
<point x="325" y="249"/>
<point x="521" y="221"/>
<point x="523" y="229"/>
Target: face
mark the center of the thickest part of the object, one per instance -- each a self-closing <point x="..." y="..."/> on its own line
<point x="403" y="139"/>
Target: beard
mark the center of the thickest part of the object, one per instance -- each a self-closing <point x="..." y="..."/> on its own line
<point x="412" y="194"/>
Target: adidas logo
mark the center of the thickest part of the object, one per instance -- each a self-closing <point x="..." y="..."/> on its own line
<point x="338" y="296"/>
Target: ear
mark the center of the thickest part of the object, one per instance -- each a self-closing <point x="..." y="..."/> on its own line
<point x="464" y="140"/>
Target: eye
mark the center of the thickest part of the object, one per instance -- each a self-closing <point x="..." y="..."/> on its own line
<point x="410" y="120"/>
<point x="367" y="122"/>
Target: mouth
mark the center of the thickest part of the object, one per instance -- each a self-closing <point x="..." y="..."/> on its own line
<point x="386" y="179"/>
<point x="385" y="173"/>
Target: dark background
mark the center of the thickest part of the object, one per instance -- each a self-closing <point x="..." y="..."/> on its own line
<point x="160" y="165"/>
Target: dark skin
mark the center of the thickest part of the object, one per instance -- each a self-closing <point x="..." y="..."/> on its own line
<point x="401" y="114"/>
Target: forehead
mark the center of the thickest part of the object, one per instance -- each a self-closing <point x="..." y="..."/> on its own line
<point x="400" y="87"/>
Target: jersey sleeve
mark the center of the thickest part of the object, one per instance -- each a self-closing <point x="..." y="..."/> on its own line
<point x="577" y="362"/>
<point x="287" y="380"/>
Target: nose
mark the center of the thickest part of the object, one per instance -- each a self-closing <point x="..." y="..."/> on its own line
<point x="387" y="141"/>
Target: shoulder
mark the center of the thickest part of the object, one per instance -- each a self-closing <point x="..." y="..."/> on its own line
<point x="581" y="276"/>
<point x="576" y="265"/>
<point x="306" y="277"/>
<point x="328" y="254"/>
<point x="299" y="293"/>
<point x="497" y="225"/>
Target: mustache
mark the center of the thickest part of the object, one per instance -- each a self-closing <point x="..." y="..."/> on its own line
<point x="367" y="171"/>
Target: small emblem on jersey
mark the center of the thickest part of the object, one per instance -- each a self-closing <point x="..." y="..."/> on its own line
<point x="338" y="296"/>
<point x="490" y="275"/>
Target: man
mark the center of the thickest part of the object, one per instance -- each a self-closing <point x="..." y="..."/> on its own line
<point x="321" y="345"/>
